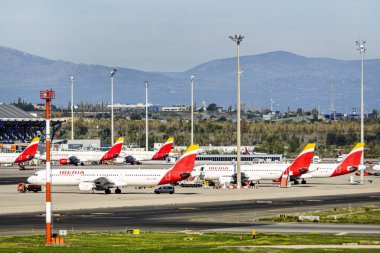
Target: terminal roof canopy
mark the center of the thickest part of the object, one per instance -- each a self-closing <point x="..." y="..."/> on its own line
<point x="11" y="111"/>
<point x="16" y="125"/>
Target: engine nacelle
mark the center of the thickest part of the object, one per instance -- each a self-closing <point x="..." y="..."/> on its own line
<point x="63" y="161"/>
<point x="130" y="159"/>
<point x="86" y="186"/>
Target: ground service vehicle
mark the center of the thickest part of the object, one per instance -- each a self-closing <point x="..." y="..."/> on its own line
<point x="22" y="187"/>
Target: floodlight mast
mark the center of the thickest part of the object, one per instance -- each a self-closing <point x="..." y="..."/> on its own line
<point x="238" y="38"/>
<point x="113" y="73"/>
<point x="192" y="78"/>
<point x="146" y="115"/>
<point x="72" y="106"/>
<point x="360" y="43"/>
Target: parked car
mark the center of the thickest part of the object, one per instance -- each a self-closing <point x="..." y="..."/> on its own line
<point x="165" y="189"/>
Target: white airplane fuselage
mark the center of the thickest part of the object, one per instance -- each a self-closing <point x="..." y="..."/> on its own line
<point x="317" y="170"/>
<point x="8" y="157"/>
<point x="83" y="156"/>
<point x="120" y="177"/>
<point x="251" y="171"/>
<point x="139" y="155"/>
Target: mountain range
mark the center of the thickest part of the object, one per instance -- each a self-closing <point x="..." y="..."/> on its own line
<point x="289" y="79"/>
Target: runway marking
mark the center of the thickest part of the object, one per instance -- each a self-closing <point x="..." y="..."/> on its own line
<point x="101" y="213"/>
<point x="314" y="200"/>
<point x="264" y="202"/>
<point x="342" y="233"/>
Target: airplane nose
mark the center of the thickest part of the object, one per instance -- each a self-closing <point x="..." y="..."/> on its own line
<point x="30" y="180"/>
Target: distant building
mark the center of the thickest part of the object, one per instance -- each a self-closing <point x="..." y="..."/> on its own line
<point x="40" y="107"/>
<point x="179" y="108"/>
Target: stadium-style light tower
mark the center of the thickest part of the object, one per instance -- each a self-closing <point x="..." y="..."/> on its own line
<point x="360" y="43"/>
<point x="72" y="106"/>
<point x="146" y="115"/>
<point x="192" y="78"/>
<point x="113" y="73"/>
<point x="238" y="38"/>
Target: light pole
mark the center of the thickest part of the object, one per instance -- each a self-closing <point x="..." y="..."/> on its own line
<point x="362" y="49"/>
<point x="72" y="106"/>
<point x="113" y="73"/>
<point x="192" y="108"/>
<point x="146" y="115"/>
<point x="238" y="38"/>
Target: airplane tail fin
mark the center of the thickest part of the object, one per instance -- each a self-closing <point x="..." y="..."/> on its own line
<point x="164" y="150"/>
<point x="29" y="152"/>
<point x="302" y="163"/>
<point x="183" y="167"/>
<point x="114" y="151"/>
<point x="351" y="162"/>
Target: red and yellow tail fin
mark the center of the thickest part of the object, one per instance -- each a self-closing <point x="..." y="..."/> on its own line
<point x="183" y="167"/>
<point x="29" y="152"/>
<point x="114" y="151"/>
<point x="164" y="150"/>
<point x="302" y="163"/>
<point x="351" y="162"/>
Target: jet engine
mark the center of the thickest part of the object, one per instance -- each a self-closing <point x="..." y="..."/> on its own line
<point x="74" y="160"/>
<point x="86" y="186"/>
<point x="130" y="159"/>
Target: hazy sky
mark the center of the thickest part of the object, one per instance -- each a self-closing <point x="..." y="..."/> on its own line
<point x="175" y="35"/>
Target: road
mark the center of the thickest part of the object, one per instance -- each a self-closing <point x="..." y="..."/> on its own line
<point x="231" y="216"/>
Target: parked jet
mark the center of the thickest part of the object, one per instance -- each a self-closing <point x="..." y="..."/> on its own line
<point x="28" y="153"/>
<point x="105" y="179"/>
<point x="135" y="157"/>
<point x="321" y="170"/>
<point x="257" y="172"/>
<point x="80" y="157"/>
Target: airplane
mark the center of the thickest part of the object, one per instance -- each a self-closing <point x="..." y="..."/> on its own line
<point x="257" y="172"/>
<point x="80" y="157"/>
<point x="322" y="170"/>
<point x="105" y="179"/>
<point x="135" y="157"/>
<point x="28" y="154"/>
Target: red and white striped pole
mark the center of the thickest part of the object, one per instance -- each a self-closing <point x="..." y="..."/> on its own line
<point x="48" y="95"/>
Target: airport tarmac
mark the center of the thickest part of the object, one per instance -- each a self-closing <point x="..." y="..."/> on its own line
<point x="70" y="198"/>
<point x="189" y="209"/>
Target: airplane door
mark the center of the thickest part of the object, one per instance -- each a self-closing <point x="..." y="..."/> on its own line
<point x="202" y="173"/>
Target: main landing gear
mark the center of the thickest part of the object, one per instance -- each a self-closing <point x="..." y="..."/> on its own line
<point x="296" y="182"/>
<point x="303" y="181"/>
<point x="108" y="191"/>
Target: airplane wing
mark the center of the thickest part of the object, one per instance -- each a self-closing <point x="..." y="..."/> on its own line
<point x="100" y="184"/>
<point x="252" y="178"/>
<point x="307" y="175"/>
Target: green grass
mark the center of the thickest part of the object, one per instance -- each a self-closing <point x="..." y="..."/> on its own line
<point x="179" y="242"/>
<point x="360" y="215"/>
